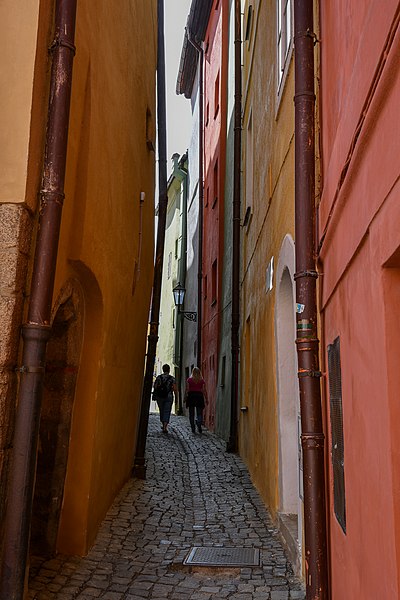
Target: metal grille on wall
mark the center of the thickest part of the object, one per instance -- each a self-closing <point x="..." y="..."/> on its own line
<point x="335" y="395"/>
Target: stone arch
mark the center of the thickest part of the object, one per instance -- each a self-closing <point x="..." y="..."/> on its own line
<point x="288" y="394"/>
<point x="73" y="526"/>
<point x="62" y="365"/>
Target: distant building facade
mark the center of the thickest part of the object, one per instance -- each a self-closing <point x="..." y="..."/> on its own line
<point x="169" y="348"/>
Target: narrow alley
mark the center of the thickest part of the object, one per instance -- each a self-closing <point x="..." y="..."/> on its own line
<point x="195" y="495"/>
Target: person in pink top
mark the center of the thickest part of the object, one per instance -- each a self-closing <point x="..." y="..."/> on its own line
<point x="196" y="398"/>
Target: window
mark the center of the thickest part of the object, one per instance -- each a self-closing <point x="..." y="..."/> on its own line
<point x="216" y="96"/>
<point x="176" y="248"/>
<point x="205" y="287"/>
<point x="247" y="367"/>
<point x="207" y="113"/>
<point x="215" y="184"/>
<point x="207" y="195"/>
<point x="150" y="131"/>
<point x="169" y="265"/>
<point x="248" y="23"/>
<point x="335" y="400"/>
<point x="223" y="369"/>
<point x="249" y="169"/>
<point x="284" y="9"/>
<point x="269" y="276"/>
<point x="214" y="282"/>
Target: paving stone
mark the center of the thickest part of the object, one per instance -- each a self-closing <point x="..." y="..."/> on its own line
<point x="195" y="494"/>
<point x="91" y="592"/>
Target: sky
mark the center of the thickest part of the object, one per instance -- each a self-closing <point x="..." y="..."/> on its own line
<point x="178" y="107"/>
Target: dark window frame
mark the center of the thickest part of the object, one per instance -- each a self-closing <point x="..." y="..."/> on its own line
<point x="337" y="432"/>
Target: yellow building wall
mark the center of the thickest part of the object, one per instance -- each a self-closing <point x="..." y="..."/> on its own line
<point x="109" y="164"/>
<point x="272" y="217"/>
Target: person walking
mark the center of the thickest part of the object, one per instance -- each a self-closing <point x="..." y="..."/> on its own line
<point x="164" y="388"/>
<point x="196" y="398"/>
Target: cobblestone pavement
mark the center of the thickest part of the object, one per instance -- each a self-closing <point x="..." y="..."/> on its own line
<point x="195" y="495"/>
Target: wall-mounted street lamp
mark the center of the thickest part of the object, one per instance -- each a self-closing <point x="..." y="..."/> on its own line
<point x="179" y="296"/>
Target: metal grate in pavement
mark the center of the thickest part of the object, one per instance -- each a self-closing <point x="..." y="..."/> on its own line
<point x="222" y="557"/>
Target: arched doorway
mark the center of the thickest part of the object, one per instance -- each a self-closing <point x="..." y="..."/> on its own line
<point x="290" y="473"/>
<point x="62" y="363"/>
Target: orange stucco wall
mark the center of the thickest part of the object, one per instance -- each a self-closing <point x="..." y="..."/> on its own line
<point x="108" y="166"/>
<point x="359" y="219"/>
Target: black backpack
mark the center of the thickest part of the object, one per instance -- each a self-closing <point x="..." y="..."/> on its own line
<point x="163" y="386"/>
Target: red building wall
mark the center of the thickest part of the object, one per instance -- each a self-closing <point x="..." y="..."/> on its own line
<point x="215" y="82"/>
<point x="359" y="223"/>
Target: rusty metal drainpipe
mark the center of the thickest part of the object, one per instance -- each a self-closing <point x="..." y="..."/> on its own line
<point x="36" y="331"/>
<point x="200" y="52"/>
<point x="139" y="467"/>
<point x="232" y="444"/>
<point x="306" y="322"/>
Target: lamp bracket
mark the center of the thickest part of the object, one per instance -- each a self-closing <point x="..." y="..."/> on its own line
<point x="190" y="316"/>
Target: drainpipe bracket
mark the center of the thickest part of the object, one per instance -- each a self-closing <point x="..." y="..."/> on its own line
<point x="309" y="373"/>
<point x="25" y="369"/>
<point x="310" y="273"/>
<point x="59" y="42"/>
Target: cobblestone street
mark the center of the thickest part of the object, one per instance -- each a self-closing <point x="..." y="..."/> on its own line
<point x="195" y="495"/>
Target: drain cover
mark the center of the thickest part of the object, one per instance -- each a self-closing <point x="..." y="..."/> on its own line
<point x="223" y="557"/>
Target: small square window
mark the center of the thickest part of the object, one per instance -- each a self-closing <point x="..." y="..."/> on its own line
<point x="215" y="184"/>
<point x="216" y="96"/>
<point x="214" y="282"/>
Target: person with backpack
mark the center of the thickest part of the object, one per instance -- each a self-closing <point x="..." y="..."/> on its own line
<point x="196" y="398"/>
<point x="164" y="388"/>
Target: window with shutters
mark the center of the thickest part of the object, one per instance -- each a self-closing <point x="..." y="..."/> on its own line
<point x="284" y="29"/>
<point x="335" y="400"/>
